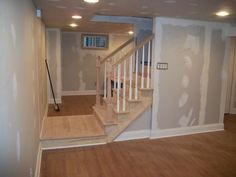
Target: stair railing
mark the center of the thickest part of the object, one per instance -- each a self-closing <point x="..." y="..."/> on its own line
<point x="140" y="58"/>
<point x="125" y="72"/>
<point x="107" y="61"/>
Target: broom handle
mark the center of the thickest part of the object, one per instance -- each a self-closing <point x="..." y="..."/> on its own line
<point x="55" y="103"/>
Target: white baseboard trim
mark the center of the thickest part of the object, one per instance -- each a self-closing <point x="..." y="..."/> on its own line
<point x="83" y="92"/>
<point x="186" y="131"/>
<point x="232" y="111"/>
<point x="133" y="135"/>
<point x="51" y="101"/>
<point x="38" y="161"/>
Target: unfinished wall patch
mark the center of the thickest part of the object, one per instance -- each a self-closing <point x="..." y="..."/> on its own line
<point x="184" y="120"/>
<point x="192" y="43"/>
<point x="185" y="81"/>
<point x="82" y="84"/>
<point x="183" y="99"/>
<point x="188" y="62"/>
<point x="13" y="34"/>
<point x="14" y="87"/>
<point x="18" y="146"/>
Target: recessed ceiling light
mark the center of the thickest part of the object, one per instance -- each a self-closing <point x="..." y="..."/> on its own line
<point x="91" y="1"/>
<point x="73" y="25"/>
<point x="131" y="32"/>
<point x="76" y="17"/>
<point x="222" y="13"/>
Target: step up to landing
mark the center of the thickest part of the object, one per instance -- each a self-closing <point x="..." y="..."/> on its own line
<point x="71" y="131"/>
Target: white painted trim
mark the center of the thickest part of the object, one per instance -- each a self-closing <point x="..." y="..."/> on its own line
<point x="224" y="80"/>
<point x="204" y="78"/>
<point x="155" y="79"/>
<point x="133" y="135"/>
<point x="51" y="101"/>
<point x="232" y="111"/>
<point x="82" y="92"/>
<point x="72" y="146"/>
<point x="38" y="161"/>
<point x="186" y="131"/>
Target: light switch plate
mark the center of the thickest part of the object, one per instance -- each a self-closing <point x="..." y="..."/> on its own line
<point x="162" y="66"/>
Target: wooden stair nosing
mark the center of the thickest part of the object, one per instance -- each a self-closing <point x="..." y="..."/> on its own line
<point x="62" y="143"/>
<point x="75" y="137"/>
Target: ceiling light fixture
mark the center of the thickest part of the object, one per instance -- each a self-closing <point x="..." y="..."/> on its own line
<point x="91" y="1"/>
<point x="222" y="13"/>
<point x="73" y="25"/>
<point x="131" y="32"/>
<point x="76" y="17"/>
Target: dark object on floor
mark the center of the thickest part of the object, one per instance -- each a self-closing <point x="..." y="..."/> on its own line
<point x="56" y="106"/>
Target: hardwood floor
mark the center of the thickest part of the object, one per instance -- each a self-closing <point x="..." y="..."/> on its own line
<point x="74" y="105"/>
<point x="200" y="155"/>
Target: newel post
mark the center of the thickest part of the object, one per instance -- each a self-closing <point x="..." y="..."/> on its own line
<point x="98" y="68"/>
<point x="109" y="98"/>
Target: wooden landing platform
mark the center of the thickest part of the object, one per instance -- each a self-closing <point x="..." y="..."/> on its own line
<point x="71" y="130"/>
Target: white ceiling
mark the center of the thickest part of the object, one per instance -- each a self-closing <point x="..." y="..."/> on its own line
<point x="57" y="13"/>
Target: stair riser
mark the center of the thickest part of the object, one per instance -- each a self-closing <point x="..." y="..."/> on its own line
<point x="146" y="94"/>
<point x="127" y="104"/>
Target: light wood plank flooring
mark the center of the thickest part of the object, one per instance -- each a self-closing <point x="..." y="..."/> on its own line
<point x="201" y="155"/>
<point x="74" y="105"/>
<point x="71" y="127"/>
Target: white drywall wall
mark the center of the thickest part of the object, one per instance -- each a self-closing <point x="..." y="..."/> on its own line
<point x="22" y="87"/>
<point x="79" y="65"/>
<point x="191" y="92"/>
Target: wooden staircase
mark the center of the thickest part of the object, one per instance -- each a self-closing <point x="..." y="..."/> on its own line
<point x="127" y="93"/>
<point x="127" y="88"/>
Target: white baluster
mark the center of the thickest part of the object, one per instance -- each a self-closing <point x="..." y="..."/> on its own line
<point x="142" y="79"/>
<point x="148" y="65"/>
<point x="124" y="86"/>
<point x="136" y="76"/>
<point x="118" y="88"/>
<point x="130" y="77"/>
<point x="105" y="80"/>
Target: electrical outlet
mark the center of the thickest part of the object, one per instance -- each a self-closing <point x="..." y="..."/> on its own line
<point x="162" y="66"/>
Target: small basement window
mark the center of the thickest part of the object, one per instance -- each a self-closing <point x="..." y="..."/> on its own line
<point x="94" y="41"/>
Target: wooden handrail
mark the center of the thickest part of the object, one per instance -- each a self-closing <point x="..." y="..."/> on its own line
<point x="144" y="42"/>
<point x="117" y="50"/>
